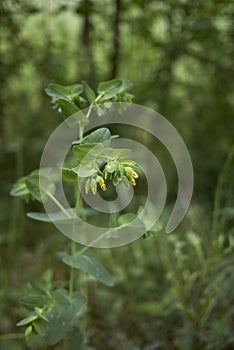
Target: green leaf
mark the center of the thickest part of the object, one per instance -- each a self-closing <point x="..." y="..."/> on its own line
<point x="87" y="168"/>
<point x="117" y="152"/>
<point x="63" y="316"/>
<point x="20" y="189"/>
<point x="60" y="217"/>
<point x="39" y="325"/>
<point x="68" y="108"/>
<point x="31" y="301"/>
<point x="99" y="135"/>
<point x="88" y="263"/>
<point x="69" y="92"/>
<point x="32" y="317"/>
<point x="111" y="88"/>
<point x="28" y="332"/>
<point x="38" y="188"/>
<point x="80" y="151"/>
<point x="90" y="94"/>
<point x="92" y="150"/>
<point x="69" y="175"/>
<point x="92" y="141"/>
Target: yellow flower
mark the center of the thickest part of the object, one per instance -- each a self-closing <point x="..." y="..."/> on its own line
<point x="133" y="181"/>
<point x="101" y="182"/>
<point x="133" y="174"/>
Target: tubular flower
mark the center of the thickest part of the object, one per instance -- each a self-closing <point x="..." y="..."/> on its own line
<point x="131" y="175"/>
<point x="101" y="182"/>
<point x="93" y="186"/>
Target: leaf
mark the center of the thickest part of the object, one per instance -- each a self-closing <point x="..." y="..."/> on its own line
<point x="32" y="317"/>
<point x="92" y="141"/>
<point x="80" y="151"/>
<point x="57" y="91"/>
<point x="39" y="185"/>
<point x="69" y="175"/>
<point x="28" y="332"/>
<point x="90" y="94"/>
<point x="88" y="263"/>
<point x="99" y="135"/>
<point x="68" y="108"/>
<point x="63" y="316"/>
<point x="31" y="301"/>
<point x="60" y="216"/>
<point x="87" y="168"/>
<point x="117" y="152"/>
<point x="111" y="88"/>
<point x="92" y="150"/>
<point x="54" y="217"/>
<point x="39" y="325"/>
<point x="20" y="189"/>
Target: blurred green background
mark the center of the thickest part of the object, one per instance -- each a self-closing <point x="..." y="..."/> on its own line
<point x="172" y="291"/>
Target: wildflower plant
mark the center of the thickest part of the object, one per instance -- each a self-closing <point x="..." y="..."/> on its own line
<point x="54" y="313"/>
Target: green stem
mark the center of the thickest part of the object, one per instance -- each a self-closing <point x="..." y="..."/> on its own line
<point x="71" y="281"/>
<point x="58" y="204"/>
<point x="77" y="208"/>
<point x="92" y="104"/>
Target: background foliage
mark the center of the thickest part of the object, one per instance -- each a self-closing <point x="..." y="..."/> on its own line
<point x="172" y="292"/>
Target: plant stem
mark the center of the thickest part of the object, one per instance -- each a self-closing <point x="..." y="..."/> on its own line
<point x="92" y="104"/>
<point x="58" y="204"/>
<point x="73" y="244"/>
<point x="71" y="281"/>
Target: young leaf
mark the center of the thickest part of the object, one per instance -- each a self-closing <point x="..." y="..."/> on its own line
<point x="117" y="152"/>
<point x="110" y="88"/>
<point x="28" y="332"/>
<point x="31" y="317"/>
<point x="68" y="108"/>
<point x="69" y="92"/>
<point x="90" y="94"/>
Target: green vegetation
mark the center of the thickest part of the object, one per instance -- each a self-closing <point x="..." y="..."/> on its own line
<point x="169" y="292"/>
